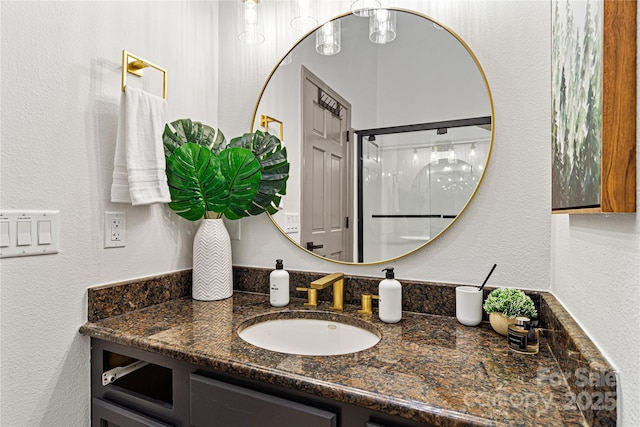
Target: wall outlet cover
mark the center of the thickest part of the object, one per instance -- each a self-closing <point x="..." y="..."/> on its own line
<point x="115" y="225"/>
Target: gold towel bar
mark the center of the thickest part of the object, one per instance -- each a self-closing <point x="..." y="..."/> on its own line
<point x="265" y="120"/>
<point x="136" y="66"/>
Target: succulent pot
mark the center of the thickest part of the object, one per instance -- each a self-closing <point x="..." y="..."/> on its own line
<point x="500" y="322"/>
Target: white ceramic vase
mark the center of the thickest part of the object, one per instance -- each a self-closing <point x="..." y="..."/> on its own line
<point x="212" y="269"/>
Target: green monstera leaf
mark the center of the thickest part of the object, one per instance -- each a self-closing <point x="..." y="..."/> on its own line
<point x="205" y="185"/>
<point x="196" y="182"/>
<point x="274" y="166"/>
<point x="208" y="178"/>
<point x="242" y="172"/>
<point x="183" y="131"/>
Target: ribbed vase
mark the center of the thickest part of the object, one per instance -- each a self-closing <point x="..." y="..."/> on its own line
<point x="212" y="269"/>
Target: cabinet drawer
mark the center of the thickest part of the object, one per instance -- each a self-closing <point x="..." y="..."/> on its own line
<point x="109" y="414"/>
<point x="216" y="403"/>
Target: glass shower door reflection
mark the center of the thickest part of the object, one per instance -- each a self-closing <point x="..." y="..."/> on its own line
<point x="413" y="184"/>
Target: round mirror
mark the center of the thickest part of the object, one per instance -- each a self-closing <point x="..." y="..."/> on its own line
<point x="387" y="121"/>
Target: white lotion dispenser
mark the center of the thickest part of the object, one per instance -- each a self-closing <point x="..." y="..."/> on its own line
<point x="279" y="285"/>
<point x="390" y="302"/>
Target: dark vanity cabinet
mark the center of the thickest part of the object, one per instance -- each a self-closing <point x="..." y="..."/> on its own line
<point x="231" y="405"/>
<point x="107" y="414"/>
<point x="159" y="391"/>
<point x="155" y="394"/>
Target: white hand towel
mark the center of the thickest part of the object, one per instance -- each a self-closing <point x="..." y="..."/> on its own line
<point x="139" y="165"/>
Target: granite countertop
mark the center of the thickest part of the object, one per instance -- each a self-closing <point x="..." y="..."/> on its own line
<point x="426" y="368"/>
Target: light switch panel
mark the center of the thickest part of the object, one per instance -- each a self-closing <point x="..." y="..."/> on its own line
<point x="233" y="228"/>
<point x="29" y="232"/>
<point x="291" y="223"/>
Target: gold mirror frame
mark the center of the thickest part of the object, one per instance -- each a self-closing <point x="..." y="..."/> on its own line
<point x="490" y="100"/>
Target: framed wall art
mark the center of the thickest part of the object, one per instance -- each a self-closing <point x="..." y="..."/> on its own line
<point x="593" y="106"/>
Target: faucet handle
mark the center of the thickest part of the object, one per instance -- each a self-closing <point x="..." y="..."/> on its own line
<point x="366" y="303"/>
<point x="312" y="296"/>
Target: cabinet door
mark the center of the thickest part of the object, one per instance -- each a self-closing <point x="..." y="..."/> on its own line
<point x="216" y="403"/>
<point x="107" y="414"/>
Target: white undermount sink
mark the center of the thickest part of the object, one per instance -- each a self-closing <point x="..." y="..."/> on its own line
<point x="311" y="333"/>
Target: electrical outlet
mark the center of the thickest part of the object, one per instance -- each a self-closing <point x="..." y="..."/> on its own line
<point x="115" y="226"/>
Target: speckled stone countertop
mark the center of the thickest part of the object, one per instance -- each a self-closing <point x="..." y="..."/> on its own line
<point x="426" y="368"/>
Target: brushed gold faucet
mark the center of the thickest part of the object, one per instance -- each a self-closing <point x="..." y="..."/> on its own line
<point x="337" y="280"/>
<point x="312" y="296"/>
<point x="366" y="304"/>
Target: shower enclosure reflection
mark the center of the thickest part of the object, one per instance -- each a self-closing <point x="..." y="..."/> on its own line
<point x="414" y="180"/>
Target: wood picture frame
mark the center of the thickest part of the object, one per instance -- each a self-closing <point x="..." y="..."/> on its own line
<point x="594" y="106"/>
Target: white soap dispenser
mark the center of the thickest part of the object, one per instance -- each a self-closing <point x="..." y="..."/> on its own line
<point x="390" y="302"/>
<point x="279" y="285"/>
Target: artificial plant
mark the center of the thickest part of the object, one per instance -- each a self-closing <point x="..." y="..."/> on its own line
<point x="510" y="302"/>
<point x="209" y="178"/>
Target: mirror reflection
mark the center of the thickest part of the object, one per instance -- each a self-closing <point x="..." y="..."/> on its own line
<point x="387" y="141"/>
<point x="414" y="180"/>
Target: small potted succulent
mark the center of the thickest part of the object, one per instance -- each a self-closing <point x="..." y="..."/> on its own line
<point x="505" y="304"/>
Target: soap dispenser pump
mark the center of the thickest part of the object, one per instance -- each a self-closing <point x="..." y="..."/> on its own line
<point x="390" y="302"/>
<point x="279" y="285"/>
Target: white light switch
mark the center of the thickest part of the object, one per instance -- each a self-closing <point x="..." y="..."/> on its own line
<point x="29" y="232"/>
<point x="44" y="232"/>
<point x="4" y="234"/>
<point x="24" y="233"/>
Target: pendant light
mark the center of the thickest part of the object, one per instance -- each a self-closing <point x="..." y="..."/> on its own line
<point x="328" y="38"/>
<point x="250" y="23"/>
<point x="382" y="26"/>
<point x="302" y="12"/>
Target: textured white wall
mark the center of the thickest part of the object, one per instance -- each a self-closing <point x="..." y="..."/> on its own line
<point x="61" y="65"/>
<point x="60" y="91"/>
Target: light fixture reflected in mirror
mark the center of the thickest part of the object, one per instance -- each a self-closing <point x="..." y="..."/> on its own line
<point x="328" y="38"/>
<point x="473" y="149"/>
<point x="302" y="12"/>
<point x="285" y="61"/>
<point x="382" y="26"/>
<point x="364" y="8"/>
<point x="250" y="25"/>
<point x="452" y="155"/>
